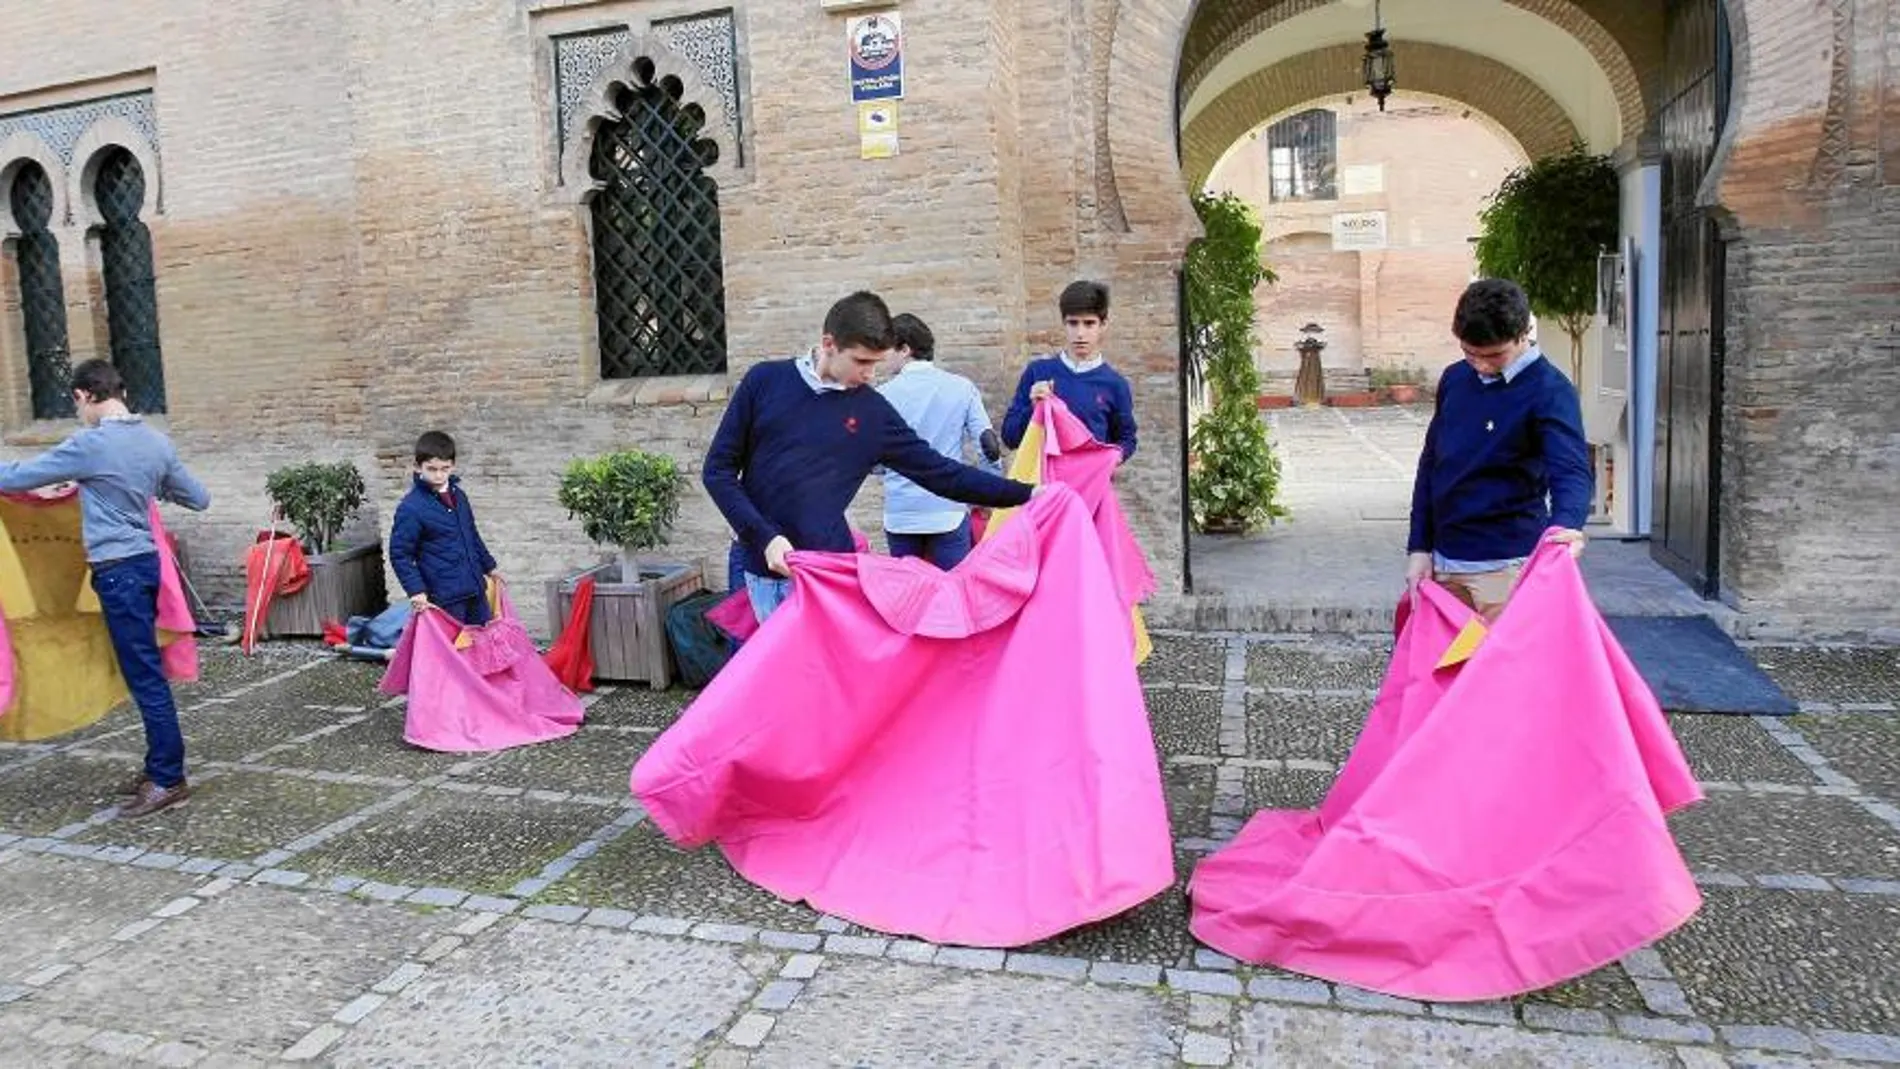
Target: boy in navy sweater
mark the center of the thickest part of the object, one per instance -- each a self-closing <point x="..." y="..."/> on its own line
<point x="1098" y="394"/>
<point x="1505" y="457"/>
<point x="434" y="547"/>
<point x="799" y="438"/>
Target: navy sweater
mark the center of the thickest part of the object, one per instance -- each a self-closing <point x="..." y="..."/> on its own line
<point x="787" y="460"/>
<point x="1492" y="454"/>
<point x="435" y="549"/>
<point x="1100" y="397"/>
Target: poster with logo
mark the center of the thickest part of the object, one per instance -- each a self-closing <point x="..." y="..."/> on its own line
<point x="876" y="46"/>
<point x="877" y="130"/>
<point x="1359" y="232"/>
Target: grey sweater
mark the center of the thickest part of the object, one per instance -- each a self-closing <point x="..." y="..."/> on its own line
<point x="120" y="466"/>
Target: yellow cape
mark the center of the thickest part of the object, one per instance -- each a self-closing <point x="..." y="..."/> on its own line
<point x="65" y="674"/>
<point x="1026" y="467"/>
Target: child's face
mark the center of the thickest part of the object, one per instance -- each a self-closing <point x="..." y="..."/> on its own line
<point x="436" y="472"/>
<point x="1085" y="334"/>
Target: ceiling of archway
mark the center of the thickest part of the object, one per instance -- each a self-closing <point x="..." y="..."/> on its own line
<point x="1594" y="57"/>
<point x="1516" y="104"/>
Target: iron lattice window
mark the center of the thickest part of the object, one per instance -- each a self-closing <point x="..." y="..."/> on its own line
<point x="659" y="281"/>
<point x="42" y="295"/>
<point x="125" y="249"/>
<point x="1302" y="156"/>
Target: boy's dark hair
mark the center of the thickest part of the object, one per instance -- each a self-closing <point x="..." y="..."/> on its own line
<point x="434" y="445"/>
<point x="99" y="380"/>
<point x="1491" y="312"/>
<point x="861" y="320"/>
<point x="911" y="331"/>
<point x="1084" y="298"/>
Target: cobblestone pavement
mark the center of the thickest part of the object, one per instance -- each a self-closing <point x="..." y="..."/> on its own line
<point x="332" y="896"/>
<point x="1338" y="562"/>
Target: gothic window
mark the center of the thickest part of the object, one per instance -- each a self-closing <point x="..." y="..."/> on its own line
<point x="659" y="281"/>
<point x="42" y="295"/>
<point x="125" y="252"/>
<point x="1302" y="155"/>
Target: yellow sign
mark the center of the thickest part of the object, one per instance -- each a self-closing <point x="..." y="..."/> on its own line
<point x="877" y="129"/>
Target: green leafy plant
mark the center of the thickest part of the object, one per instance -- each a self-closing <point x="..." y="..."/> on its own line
<point x="1380" y="378"/>
<point x="628" y="499"/>
<point x="1234" y="480"/>
<point x="1544" y="228"/>
<point x="317" y="499"/>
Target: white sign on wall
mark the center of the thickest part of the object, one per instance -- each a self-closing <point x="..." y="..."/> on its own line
<point x="1363" y="179"/>
<point x="1359" y="232"/>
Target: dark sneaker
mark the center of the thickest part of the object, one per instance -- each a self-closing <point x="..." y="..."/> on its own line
<point x="152" y="798"/>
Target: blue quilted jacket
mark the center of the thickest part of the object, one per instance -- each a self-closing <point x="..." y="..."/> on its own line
<point x="436" y="550"/>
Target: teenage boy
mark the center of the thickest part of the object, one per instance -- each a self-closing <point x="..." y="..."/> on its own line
<point x="946" y="410"/>
<point x="799" y="438"/>
<point x="121" y="465"/>
<point x="1097" y="394"/>
<point x="1505" y="458"/>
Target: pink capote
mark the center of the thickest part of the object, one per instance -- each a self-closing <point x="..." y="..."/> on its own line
<point x="1498" y="828"/>
<point x="491" y="695"/>
<point x="960" y="756"/>
<point x="1071" y="456"/>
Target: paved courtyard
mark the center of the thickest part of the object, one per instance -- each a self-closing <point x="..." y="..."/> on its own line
<point x="1338" y="562"/>
<point x="331" y="895"/>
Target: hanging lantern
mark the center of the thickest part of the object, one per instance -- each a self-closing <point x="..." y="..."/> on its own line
<point x="1381" y="70"/>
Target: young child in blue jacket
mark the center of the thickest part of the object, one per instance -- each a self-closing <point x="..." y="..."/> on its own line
<point x="435" y="548"/>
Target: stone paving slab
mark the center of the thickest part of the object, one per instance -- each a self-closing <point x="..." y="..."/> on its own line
<point x="881" y="1013"/>
<point x="1864" y="747"/>
<point x="567" y="995"/>
<point x="1833" y="673"/>
<point x="1736" y="749"/>
<point x="1824" y="836"/>
<point x="1286" y="789"/>
<point x="238" y="815"/>
<point x="333" y="682"/>
<point x="1308" y="666"/>
<point x="477" y="843"/>
<point x="372" y="747"/>
<point x="1190" y="791"/>
<point x="300" y="959"/>
<point x="55" y="911"/>
<point x="1185" y="659"/>
<point x="1274" y="1036"/>
<point x="235" y="732"/>
<point x="1310" y="727"/>
<point x="1185" y="721"/>
<point x="590" y="761"/>
<point x="638" y="706"/>
<point x="641" y="871"/>
<point x="52" y="793"/>
<point x="1757" y="956"/>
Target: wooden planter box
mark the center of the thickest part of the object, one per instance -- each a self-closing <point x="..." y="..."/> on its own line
<point x="628" y="631"/>
<point x="343" y="583"/>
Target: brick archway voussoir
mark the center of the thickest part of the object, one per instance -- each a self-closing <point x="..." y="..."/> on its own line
<point x="1518" y="106"/>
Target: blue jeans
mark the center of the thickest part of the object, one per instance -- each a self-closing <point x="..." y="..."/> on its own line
<point x="470" y="612"/>
<point x="767" y="593"/>
<point x="128" y="595"/>
<point x="945" y="550"/>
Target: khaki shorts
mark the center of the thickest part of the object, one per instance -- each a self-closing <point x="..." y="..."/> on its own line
<point x="1485" y="592"/>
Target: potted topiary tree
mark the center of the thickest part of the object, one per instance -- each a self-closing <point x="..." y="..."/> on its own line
<point x="627" y="501"/>
<point x="319" y="500"/>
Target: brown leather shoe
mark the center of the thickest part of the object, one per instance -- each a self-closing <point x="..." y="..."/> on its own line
<point x="152" y="798"/>
<point x="133" y="785"/>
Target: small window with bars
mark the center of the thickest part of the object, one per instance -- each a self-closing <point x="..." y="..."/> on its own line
<point x="1302" y="156"/>
<point x="659" y="276"/>
<point x="42" y="293"/>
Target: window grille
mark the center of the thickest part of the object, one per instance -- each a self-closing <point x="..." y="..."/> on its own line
<point x="42" y="294"/>
<point x="125" y="250"/>
<point x="659" y="281"/>
<point x="1302" y="156"/>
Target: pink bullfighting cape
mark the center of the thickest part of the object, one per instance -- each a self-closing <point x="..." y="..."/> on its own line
<point x="477" y="689"/>
<point x="1499" y="826"/>
<point x="962" y="756"/>
<point x="1058" y="448"/>
<point x="58" y="671"/>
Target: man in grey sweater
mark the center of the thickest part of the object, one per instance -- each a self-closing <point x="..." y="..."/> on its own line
<point x="121" y="464"/>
